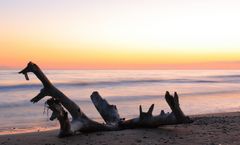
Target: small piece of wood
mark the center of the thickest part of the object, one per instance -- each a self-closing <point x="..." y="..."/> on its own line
<point x="108" y="112"/>
<point x="173" y="102"/>
<point x="61" y="115"/>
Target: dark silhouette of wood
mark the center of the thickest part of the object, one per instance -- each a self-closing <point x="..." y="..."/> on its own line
<point x="108" y="112"/>
<point x="62" y="116"/>
<point x="173" y="102"/>
<point x="82" y="123"/>
<point x="50" y="90"/>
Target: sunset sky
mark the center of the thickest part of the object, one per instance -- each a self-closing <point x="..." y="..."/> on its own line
<point x="120" y="34"/>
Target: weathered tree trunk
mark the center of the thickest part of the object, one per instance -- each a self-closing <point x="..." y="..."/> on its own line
<point x="81" y="122"/>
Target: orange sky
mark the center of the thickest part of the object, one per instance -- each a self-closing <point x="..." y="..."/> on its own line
<point x="120" y="35"/>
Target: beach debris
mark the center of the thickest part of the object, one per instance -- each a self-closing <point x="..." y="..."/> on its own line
<point x="59" y="103"/>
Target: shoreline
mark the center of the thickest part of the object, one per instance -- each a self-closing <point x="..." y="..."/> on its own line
<point x="212" y="129"/>
<point x="14" y="130"/>
<point x="27" y="130"/>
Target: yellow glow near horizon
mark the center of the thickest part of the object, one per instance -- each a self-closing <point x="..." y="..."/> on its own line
<point x="108" y="34"/>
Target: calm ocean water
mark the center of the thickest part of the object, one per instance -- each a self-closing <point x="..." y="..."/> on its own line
<point x="200" y="91"/>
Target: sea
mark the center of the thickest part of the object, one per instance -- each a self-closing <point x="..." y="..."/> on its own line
<point x="200" y="92"/>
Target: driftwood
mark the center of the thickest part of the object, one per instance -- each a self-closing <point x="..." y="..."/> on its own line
<point x="82" y="123"/>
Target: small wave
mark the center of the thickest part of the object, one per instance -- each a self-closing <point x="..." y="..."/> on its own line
<point x="207" y="93"/>
<point x="15" y="104"/>
<point x="226" y="76"/>
<point x="20" y="86"/>
<point x="105" y="83"/>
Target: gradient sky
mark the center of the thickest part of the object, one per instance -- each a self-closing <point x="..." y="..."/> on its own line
<point x="120" y="34"/>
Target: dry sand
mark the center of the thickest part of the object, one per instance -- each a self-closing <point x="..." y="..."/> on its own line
<point x="212" y="129"/>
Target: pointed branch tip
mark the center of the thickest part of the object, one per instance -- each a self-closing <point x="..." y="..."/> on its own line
<point x="167" y="93"/>
<point x="95" y="93"/>
<point x="150" y="110"/>
<point x="140" y="109"/>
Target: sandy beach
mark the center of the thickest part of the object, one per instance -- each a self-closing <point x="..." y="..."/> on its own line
<point x="210" y="129"/>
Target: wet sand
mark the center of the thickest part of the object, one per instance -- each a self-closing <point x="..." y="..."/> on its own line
<point x="211" y="129"/>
